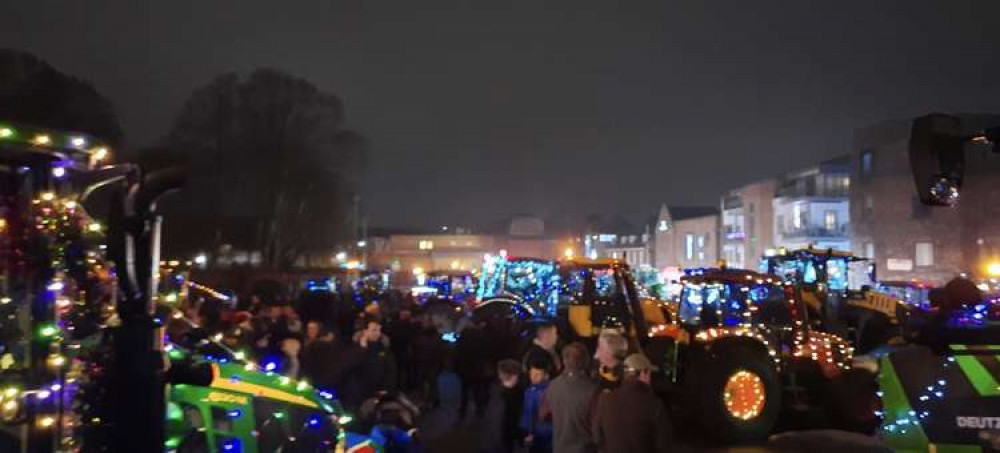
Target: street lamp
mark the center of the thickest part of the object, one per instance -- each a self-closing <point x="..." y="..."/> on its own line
<point x="341" y="256"/>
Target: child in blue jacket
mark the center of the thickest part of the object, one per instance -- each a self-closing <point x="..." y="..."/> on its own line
<point x="538" y="431"/>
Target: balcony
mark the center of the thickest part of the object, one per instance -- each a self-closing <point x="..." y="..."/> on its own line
<point x="733" y="233"/>
<point x="829" y="187"/>
<point x="840" y="232"/>
<point x="732" y="201"/>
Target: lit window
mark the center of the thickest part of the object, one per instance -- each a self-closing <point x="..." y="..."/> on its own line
<point x="426" y="245"/>
<point x="830" y="220"/>
<point x="870" y="250"/>
<point x="689" y="246"/>
<point x="866" y="162"/>
<point x="925" y="254"/>
<point x="664" y="226"/>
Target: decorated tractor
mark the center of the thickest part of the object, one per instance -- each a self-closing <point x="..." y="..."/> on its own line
<point x="445" y="296"/>
<point x="839" y="290"/>
<point x="941" y="390"/>
<point x="82" y="352"/>
<point x="741" y="353"/>
<point x="736" y="348"/>
<point x="57" y="289"/>
<point x="523" y="286"/>
<point x="219" y="401"/>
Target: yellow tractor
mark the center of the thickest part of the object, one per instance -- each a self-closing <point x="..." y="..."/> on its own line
<point x="838" y="289"/>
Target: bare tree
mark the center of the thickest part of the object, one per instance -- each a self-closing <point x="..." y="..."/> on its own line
<point x="273" y="148"/>
<point x="33" y="92"/>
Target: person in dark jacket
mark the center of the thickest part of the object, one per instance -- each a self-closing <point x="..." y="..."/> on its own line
<point x="472" y="365"/>
<point x="376" y="370"/>
<point x="570" y="399"/>
<point x="323" y="359"/>
<point x="543" y="349"/>
<point x="501" y="430"/>
<point x="402" y="331"/>
<point x="537" y="429"/>
<point x="631" y="418"/>
<point x="429" y="351"/>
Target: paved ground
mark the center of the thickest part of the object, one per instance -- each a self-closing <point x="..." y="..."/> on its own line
<point x="443" y="433"/>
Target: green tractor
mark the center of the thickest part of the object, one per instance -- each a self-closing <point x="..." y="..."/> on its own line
<point x="243" y="409"/>
<point x="941" y="391"/>
<point x="83" y="362"/>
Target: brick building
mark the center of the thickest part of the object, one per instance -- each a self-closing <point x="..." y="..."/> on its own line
<point x="685" y="237"/>
<point x="450" y="249"/>
<point x="906" y="238"/>
<point x="747" y="229"/>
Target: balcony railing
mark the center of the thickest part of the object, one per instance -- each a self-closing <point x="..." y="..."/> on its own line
<point x="734" y="233"/>
<point x="842" y="231"/>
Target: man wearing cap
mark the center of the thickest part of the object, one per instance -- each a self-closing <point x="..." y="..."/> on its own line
<point x="631" y="418"/>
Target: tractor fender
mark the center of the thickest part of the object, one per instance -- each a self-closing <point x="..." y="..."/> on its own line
<point x="715" y="339"/>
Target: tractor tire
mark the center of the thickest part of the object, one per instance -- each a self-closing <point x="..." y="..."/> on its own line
<point x="727" y="417"/>
<point x="852" y="401"/>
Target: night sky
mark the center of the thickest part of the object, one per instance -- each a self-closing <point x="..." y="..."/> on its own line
<point x="476" y="109"/>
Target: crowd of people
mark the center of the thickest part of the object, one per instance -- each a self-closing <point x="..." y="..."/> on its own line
<point x="333" y="342"/>
<point x="553" y="400"/>
<point x="527" y="392"/>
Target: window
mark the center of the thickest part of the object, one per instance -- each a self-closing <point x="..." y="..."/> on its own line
<point x="869" y="207"/>
<point x="830" y="220"/>
<point x="701" y="247"/>
<point x="797" y="216"/>
<point x="866" y="162"/>
<point x="426" y="245"/>
<point x="689" y="246"/>
<point x="664" y="225"/>
<point x="870" y="250"/>
<point x="925" y="254"/>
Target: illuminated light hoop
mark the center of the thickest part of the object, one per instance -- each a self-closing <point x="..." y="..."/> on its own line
<point x="744" y="395"/>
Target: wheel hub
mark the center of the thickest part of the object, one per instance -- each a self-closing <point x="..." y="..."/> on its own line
<point x="744" y="395"/>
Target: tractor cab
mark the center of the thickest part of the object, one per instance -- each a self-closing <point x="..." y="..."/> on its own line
<point x="523" y="286"/>
<point x="583" y="295"/>
<point x="603" y="294"/>
<point x="838" y="290"/>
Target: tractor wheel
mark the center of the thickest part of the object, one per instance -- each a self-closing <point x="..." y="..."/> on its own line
<point x="738" y="397"/>
<point x="852" y="401"/>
